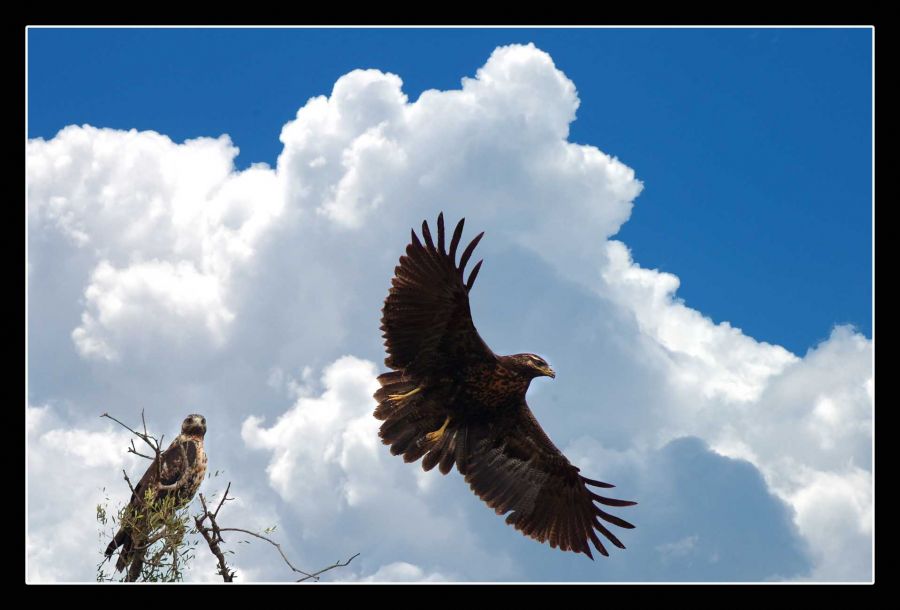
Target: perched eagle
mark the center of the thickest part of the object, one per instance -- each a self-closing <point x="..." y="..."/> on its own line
<point x="454" y="401"/>
<point x="182" y="468"/>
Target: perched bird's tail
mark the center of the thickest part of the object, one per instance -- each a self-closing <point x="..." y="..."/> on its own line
<point x="123" y="539"/>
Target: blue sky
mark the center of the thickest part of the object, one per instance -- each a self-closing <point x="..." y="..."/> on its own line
<point x="678" y="220"/>
<point x="754" y="144"/>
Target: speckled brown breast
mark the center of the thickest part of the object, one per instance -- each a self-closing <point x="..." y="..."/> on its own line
<point x="495" y="385"/>
<point x="195" y="478"/>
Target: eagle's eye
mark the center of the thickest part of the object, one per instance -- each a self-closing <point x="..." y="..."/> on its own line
<point x="204" y="421"/>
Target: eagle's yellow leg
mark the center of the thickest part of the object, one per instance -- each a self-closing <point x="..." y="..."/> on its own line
<point x="402" y="397"/>
<point x="437" y="434"/>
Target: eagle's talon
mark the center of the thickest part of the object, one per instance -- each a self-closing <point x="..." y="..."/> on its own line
<point x="402" y="397"/>
<point x="437" y="434"/>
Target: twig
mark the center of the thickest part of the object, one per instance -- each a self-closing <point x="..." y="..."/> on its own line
<point x="337" y="564"/>
<point x="273" y="543"/>
<point x="134" y="450"/>
<point x="213" y="536"/>
<point x="227" y="574"/>
<point x="150" y="541"/>
<point x="151" y="441"/>
<point x="222" y="501"/>
<point x="127" y="480"/>
<point x="174" y="552"/>
<point x="213" y="540"/>
<point x="158" y="456"/>
<point x="135" y="432"/>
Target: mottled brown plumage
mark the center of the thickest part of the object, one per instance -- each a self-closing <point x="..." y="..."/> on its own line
<point x="451" y="400"/>
<point x="182" y="465"/>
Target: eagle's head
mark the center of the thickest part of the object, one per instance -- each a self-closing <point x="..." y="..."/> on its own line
<point x="194" y="425"/>
<point x="532" y="365"/>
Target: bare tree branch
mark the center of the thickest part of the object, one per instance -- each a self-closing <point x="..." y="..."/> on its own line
<point x="270" y="541"/>
<point x="213" y="536"/>
<point x="134" y="450"/>
<point x="212" y="540"/>
<point x="226" y="573"/>
<point x="135" y="432"/>
<point x="151" y="441"/>
<point x="337" y="564"/>
<point x="150" y="541"/>
<point x="127" y="480"/>
<point x="224" y="499"/>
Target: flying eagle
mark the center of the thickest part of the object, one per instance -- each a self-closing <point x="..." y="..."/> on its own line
<point x="181" y="470"/>
<point x="454" y="401"/>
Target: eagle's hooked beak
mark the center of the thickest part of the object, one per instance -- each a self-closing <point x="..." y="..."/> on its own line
<point x="548" y="372"/>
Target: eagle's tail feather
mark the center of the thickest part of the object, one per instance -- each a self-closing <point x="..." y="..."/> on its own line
<point x="125" y="554"/>
<point x="415" y="424"/>
<point x="115" y="543"/>
<point x="123" y="539"/>
<point x="389" y="396"/>
<point x="442" y="452"/>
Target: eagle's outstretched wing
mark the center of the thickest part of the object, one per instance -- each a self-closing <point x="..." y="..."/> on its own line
<point x="426" y="319"/>
<point x="514" y="466"/>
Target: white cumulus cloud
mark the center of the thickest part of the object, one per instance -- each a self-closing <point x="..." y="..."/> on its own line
<point x="63" y="536"/>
